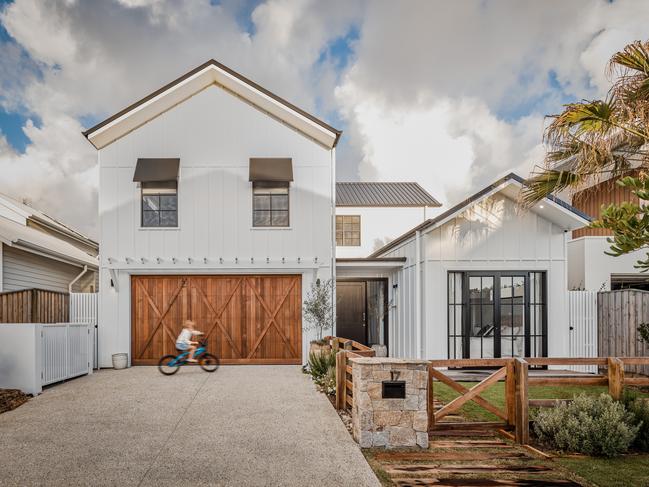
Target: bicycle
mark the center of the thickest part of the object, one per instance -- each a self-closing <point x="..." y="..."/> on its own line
<point x="170" y="364"/>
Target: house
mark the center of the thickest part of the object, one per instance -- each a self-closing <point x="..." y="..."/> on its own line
<point x="216" y="204"/>
<point x="37" y="251"/>
<point x="370" y="214"/>
<point x="590" y="268"/>
<point x="482" y="279"/>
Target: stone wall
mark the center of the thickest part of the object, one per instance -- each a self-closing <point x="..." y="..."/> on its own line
<point x="390" y="423"/>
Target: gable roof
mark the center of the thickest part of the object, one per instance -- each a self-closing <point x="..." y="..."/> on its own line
<point x="17" y="230"/>
<point x="209" y="73"/>
<point x="402" y="194"/>
<point x="557" y="211"/>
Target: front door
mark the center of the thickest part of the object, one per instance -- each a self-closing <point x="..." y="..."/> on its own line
<point x="362" y="310"/>
<point x="497" y="314"/>
<point x="350" y="311"/>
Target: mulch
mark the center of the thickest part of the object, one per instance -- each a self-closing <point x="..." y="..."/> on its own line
<point x="11" y="399"/>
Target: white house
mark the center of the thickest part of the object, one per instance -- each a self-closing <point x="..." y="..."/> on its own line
<point x="371" y="214"/>
<point x="482" y="279"/>
<point x="216" y="203"/>
<point x="37" y="251"/>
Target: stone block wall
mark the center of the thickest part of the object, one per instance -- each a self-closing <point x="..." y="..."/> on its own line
<point x="390" y="423"/>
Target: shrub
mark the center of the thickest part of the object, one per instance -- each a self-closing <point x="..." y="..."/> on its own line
<point x="590" y="424"/>
<point x="328" y="381"/>
<point x="639" y="408"/>
<point x="319" y="365"/>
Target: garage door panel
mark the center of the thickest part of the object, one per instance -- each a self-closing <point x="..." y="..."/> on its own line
<point x="249" y="319"/>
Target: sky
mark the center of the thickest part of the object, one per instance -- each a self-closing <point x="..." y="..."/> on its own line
<point x="451" y="94"/>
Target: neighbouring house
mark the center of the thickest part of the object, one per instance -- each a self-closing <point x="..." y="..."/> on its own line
<point x="590" y="268"/>
<point x="483" y="279"/>
<point x="371" y="214"/>
<point x="216" y="204"/>
<point x="37" y="251"/>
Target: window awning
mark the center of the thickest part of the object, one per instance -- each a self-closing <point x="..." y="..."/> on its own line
<point x="152" y="170"/>
<point x="271" y="169"/>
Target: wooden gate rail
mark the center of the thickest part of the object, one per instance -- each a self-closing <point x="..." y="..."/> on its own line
<point x="346" y="349"/>
<point x="515" y="373"/>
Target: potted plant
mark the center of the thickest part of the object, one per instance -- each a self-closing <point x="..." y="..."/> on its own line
<point x="318" y="313"/>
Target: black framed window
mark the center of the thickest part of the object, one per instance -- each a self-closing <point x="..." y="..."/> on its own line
<point x="159" y="204"/>
<point x="348" y="230"/>
<point x="270" y="204"/>
<point x="497" y="314"/>
<point x="455" y="314"/>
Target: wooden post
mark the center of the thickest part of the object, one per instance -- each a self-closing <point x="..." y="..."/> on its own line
<point x="522" y="402"/>
<point x="341" y="379"/>
<point x="615" y="378"/>
<point x="510" y="393"/>
<point x="431" y="398"/>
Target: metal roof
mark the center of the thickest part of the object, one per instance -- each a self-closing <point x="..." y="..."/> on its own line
<point x="383" y="194"/>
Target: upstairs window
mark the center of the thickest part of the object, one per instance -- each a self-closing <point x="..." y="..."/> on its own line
<point x="348" y="230"/>
<point x="160" y="204"/>
<point x="270" y="204"/>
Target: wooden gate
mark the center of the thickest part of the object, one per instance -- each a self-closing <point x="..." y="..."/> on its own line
<point x="247" y="319"/>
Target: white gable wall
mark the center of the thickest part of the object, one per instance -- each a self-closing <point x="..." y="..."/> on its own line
<point x="214" y="134"/>
<point x="490" y="235"/>
<point x="379" y="226"/>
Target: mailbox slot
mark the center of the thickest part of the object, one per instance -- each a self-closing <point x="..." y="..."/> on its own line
<point x="394" y="389"/>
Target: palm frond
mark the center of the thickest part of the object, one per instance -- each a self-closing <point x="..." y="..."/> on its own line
<point x="635" y="57"/>
<point x="545" y="182"/>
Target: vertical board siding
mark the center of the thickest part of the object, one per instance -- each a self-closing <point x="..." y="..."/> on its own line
<point x="84" y="308"/>
<point x="65" y="349"/>
<point x="619" y="315"/>
<point x="24" y="270"/>
<point x="582" y="315"/>
<point x="591" y="201"/>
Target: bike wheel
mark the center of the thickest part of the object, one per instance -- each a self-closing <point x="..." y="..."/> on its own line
<point x="167" y="365"/>
<point x="208" y="362"/>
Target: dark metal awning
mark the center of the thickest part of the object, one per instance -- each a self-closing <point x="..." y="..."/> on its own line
<point x="153" y="170"/>
<point x="271" y="169"/>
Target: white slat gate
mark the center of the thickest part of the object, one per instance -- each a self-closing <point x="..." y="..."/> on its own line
<point x="66" y="350"/>
<point x="582" y="319"/>
<point x="83" y="309"/>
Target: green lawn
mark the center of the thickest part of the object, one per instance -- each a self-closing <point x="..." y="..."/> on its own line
<point x="496" y="395"/>
<point x="626" y="471"/>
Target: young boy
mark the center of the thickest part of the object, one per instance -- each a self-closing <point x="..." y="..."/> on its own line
<point x="184" y="341"/>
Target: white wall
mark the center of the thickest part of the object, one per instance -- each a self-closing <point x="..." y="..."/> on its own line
<point x="590" y="268"/>
<point x="21" y="360"/>
<point x="491" y="235"/>
<point x="214" y="134"/>
<point x="380" y="226"/>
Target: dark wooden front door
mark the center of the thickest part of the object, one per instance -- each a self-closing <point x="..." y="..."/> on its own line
<point x="247" y="319"/>
<point x="350" y="310"/>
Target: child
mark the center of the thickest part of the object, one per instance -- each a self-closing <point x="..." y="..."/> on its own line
<point x="184" y="341"/>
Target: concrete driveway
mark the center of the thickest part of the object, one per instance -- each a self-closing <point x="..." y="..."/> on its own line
<point x="246" y="425"/>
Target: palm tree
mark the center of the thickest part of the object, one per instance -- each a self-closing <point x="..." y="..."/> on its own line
<point x="591" y="140"/>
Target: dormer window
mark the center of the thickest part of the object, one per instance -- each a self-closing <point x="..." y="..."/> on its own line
<point x="270" y="178"/>
<point x="158" y="180"/>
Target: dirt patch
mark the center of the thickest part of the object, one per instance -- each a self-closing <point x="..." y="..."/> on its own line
<point x="11" y="399"/>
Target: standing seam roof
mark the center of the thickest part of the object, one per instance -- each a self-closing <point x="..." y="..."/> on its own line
<point x="406" y="194"/>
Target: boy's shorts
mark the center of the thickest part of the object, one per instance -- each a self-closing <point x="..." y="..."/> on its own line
<point x="182" y="346"/>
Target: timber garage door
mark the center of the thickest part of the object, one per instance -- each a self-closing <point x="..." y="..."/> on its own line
<point x="247" y="319"/>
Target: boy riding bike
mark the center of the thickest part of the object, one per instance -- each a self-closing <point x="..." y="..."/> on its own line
<point x="184" y="341"/>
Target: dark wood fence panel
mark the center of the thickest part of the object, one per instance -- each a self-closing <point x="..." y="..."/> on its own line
<point x="619" y="313"/>
<point x="34" y="306"/>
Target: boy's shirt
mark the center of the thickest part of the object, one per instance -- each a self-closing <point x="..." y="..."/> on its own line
<point x="186" y="335"/>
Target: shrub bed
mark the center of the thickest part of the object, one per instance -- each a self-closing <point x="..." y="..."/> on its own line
<point x="594" y="425"/>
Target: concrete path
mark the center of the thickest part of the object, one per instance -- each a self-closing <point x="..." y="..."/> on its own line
<point x="246" y="425"/>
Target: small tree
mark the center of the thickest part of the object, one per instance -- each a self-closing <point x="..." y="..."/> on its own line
<point x="318" y="308"/>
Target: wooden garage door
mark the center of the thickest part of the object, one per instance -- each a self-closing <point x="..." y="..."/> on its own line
<point x="247" y="319"/>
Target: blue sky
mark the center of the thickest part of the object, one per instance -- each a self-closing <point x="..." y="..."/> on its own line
<point x="448" y="94"/>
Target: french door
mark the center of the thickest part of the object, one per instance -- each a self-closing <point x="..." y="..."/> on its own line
<point x="497" y="314"/>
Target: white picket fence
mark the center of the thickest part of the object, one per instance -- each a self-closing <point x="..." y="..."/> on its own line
<point x="582" y="319"/>
<point x="84" y="309"/>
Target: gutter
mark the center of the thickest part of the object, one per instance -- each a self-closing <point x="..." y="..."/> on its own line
<point x="85" y="269"/>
